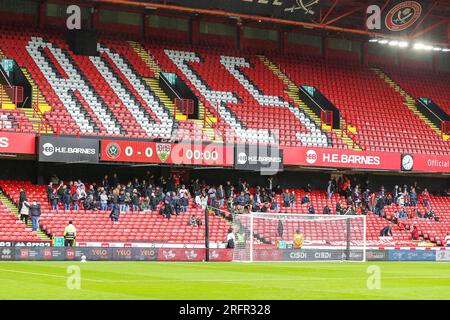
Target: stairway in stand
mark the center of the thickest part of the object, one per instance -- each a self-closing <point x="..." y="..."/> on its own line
<point x="293" y="94"/>
<point x="153" y="83"/>
<point x="14" y="210"/>
<point x="410" y="102"/>
<point x="148" y="59"/>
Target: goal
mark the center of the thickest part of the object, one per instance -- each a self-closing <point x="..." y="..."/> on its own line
<point x="267" y="237"/>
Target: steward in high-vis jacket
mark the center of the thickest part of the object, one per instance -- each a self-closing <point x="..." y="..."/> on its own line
<point x="70" y="233"/>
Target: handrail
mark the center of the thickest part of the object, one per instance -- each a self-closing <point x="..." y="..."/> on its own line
<point x="168" y="84"/>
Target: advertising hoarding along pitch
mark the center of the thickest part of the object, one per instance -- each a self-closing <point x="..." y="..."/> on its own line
<point x="166" y="153"/>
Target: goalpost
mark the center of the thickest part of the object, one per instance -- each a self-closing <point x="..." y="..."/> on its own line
<point x="267" y="237"/>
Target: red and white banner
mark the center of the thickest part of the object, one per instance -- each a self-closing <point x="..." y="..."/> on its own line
<point x="169" y="153"/>
<point x="333" y="158"/>
<point x="427" y="163"/>
<point x="19" y="143"/>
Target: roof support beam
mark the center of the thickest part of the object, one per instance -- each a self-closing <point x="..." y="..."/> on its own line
<point x="310" y="25"/>
<point x="429" y="28"/>
<point x="329" y="11"/>
<point x="343" y="15"/>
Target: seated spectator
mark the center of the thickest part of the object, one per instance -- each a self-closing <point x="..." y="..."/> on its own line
<point x="311" y="210"/>
<point x="386" y="232"/>
<point x="306" y="199"/>
<point x="415" y="233"/>
<point x="326" y="210"/>
<point x="431" y="215"/>
<point x="193" y="221"/>
<point x="447" y="240"/>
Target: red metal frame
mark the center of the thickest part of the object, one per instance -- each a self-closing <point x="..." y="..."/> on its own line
<point x="326" y="118"/>
<point x="183" y="106"/>
<point x="445" y="127"/>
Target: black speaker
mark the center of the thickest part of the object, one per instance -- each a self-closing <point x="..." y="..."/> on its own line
<point x="83" y="42"/>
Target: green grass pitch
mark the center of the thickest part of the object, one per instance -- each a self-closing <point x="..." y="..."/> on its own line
<point x="228" y="281"/>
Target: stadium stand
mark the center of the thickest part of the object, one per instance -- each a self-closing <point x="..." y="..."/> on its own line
<point x="141" y="226"/>
<point x="377" y="110"/>
<point x="96" y="226"/>
<point x="239" y="88"/>
<point x="424" y="84"/>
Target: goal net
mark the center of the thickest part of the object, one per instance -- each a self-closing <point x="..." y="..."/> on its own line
<point x="280" y="237"/>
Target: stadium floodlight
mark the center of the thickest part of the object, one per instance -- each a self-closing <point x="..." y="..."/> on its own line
<point x="419" y="46"/>
<point x="373" y="40"/>
<point x="383" y="41"/>
<point x="428" y="48"/>
<point x="403" y="44"/>
<point x="437" y="49"/>
<point x="393" y="43"/>
<point x="445" y="50"/>
<point x="279" y="237"/>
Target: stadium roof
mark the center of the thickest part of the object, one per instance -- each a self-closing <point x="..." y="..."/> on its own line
<point x="336" y="16"/>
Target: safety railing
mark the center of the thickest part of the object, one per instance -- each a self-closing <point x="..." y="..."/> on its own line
<point x="183" y="107"/>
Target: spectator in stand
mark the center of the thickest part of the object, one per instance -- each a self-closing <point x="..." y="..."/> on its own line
<point x="220" y="194"/>
<point x="193" y="221"/>
<point x="413" y="197"/>
<point x="35" y="213"/>
<point x="305" y="199"/>
<point x="292" y="199"/>
<point x="396" y="193"/>
<point x="67" y="199"/>
<point x="145" y="204"/>
<point x="54" y="200"/>
<point x="166" y="210"/>
<point x="115" y="213"/>
<point x="308" y="188"/>
<point x="25" y="211"/>
<point x="135" y="200"/>
<point x="447" y="240"/>
<point x="49" y="191"/>
<point x="60" y="191"/>
<point x="104" y="201"/>
<point x="386" y="232"/>
<point x="339" y="209"/>
<point x="429" y="214"/>
<point x="286" y="198"/>
<point x="326" y="210"/>
<point x="211" y="196"/>
<point x="401" y="213"/>
<point x="415" y="233"/>
<point x="330" y="189"/>
<point x="22" y="198"/>
<point x="426" y="198"/>
<point x="311" y="210"/>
